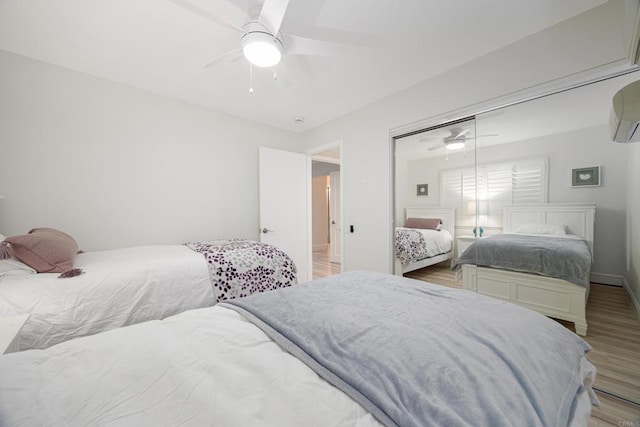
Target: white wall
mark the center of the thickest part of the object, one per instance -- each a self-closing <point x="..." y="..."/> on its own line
<point x="116" y="166"/>
<point x="565" y="151"/>
<point x="632" y="259"/>
<point x="587" y="42"/>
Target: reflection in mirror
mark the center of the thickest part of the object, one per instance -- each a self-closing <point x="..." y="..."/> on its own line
<point x="539" y="167"/>
<point x="435" y="180"/>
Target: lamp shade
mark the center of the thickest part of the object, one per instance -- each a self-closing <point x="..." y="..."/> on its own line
<point x="456" y="145"/>
<point x="261" y="49"/>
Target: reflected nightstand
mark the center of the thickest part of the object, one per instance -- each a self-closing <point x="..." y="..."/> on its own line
<point x="463" y="242"/>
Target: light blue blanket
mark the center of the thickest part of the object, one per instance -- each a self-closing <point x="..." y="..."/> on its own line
<point x="416" y="354"/>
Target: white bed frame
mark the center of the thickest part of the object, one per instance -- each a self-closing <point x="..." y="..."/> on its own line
<point x="552" y="297"/>
<point x="448" y="216"/>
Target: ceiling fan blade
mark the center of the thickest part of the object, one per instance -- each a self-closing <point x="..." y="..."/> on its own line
<point x="272" y="14"/>
<point x="231" y="55"/>
<point x="461" y="133"/>
<point x="296" y="45"/>
<point x="436" y="146"/>
<point x="225" y="13"/>
<point x="332" y="35"/>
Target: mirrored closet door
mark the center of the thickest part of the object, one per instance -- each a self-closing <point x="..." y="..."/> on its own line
<point x="543" y="163"/>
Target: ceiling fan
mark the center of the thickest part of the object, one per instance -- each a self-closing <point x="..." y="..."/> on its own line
<point x="456" y="139"/>
<point x="261" y="42"/>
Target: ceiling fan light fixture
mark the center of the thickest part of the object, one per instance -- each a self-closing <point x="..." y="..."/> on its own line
<point x="456" y="145"/>
<point x="261" y="48"/>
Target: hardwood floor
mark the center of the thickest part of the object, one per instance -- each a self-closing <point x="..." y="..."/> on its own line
<point x="614" y="334"/>
<point x="322" y="267"/>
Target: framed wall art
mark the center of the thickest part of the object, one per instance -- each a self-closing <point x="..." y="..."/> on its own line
<point x="422" y="190"/>
<point x="585" y="177"/>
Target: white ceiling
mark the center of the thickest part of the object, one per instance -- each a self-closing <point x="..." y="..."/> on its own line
<point x="385" y="46"/>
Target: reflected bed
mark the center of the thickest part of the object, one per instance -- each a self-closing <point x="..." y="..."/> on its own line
<point x="549" y="289"/>
<point x="416" y="248"/>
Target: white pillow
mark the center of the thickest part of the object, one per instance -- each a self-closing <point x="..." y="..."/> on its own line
<point x="13" y="267"/>
<point x="541" y="229"/>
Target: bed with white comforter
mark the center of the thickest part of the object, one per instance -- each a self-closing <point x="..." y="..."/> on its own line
<point x="303" y="356"/>
<point x="126" y="286"/>
<point x="414" y="244"/>
<point x="419" y="243"/>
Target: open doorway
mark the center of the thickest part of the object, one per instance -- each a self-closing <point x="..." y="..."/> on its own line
<point x="326" y="213"/>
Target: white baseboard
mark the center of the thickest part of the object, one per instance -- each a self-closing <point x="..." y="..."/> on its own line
<point x="632" y="296"/>
<point x="321" y="247"/>
<point x="607" y="279"/>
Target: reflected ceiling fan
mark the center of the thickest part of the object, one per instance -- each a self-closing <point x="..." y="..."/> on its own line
<point x="260" y="41"/>
<point x="456" y="139"/>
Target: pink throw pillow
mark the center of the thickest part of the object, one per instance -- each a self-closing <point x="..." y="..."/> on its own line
<point x="424" y="223"/>
<point x="46" y="250"/>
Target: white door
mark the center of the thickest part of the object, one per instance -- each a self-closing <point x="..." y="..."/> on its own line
<point x="284" y="205"/>
<point x="335" y="211"/>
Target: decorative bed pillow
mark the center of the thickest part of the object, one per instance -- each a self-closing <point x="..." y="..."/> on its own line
<point x="45" y="249"/>
<point x="541" y="229"/>
<point x="425" y="223"/>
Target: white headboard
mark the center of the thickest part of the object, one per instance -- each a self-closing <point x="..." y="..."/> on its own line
<point x="448" y="216"/>
<point x="578" y="217"/>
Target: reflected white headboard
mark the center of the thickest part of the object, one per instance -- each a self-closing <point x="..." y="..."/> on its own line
<point x="578" y="217"/>
<point x="448" y="216"/>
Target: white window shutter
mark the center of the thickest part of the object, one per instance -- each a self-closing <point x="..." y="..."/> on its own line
<point x="499" y="194"/>
<point x="451" y="188"/>
<point x="493" y="187"/>
<point x="530" y="182"/>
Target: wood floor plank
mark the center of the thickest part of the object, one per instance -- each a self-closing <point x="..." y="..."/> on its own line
<point x="322" y="267"/>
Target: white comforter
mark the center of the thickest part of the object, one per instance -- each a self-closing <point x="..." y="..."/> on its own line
<point x="118" y="288"/>
<point x="207" y="367"/>
<point x="415" y="244"/>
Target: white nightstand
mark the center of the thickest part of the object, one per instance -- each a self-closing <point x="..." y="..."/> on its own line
<point x="9" y="329"/>
<point x="462" y="243"/>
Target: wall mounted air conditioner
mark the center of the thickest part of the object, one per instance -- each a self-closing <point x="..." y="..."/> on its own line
<point x="625" y="114"/>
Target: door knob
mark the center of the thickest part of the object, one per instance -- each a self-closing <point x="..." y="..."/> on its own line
<point x="266" y="230"/>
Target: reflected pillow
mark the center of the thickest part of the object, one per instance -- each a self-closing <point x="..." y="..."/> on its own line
<point x="424" y="223"/>
<point x="541" y="229"/>
<point x="46" y="250"/>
